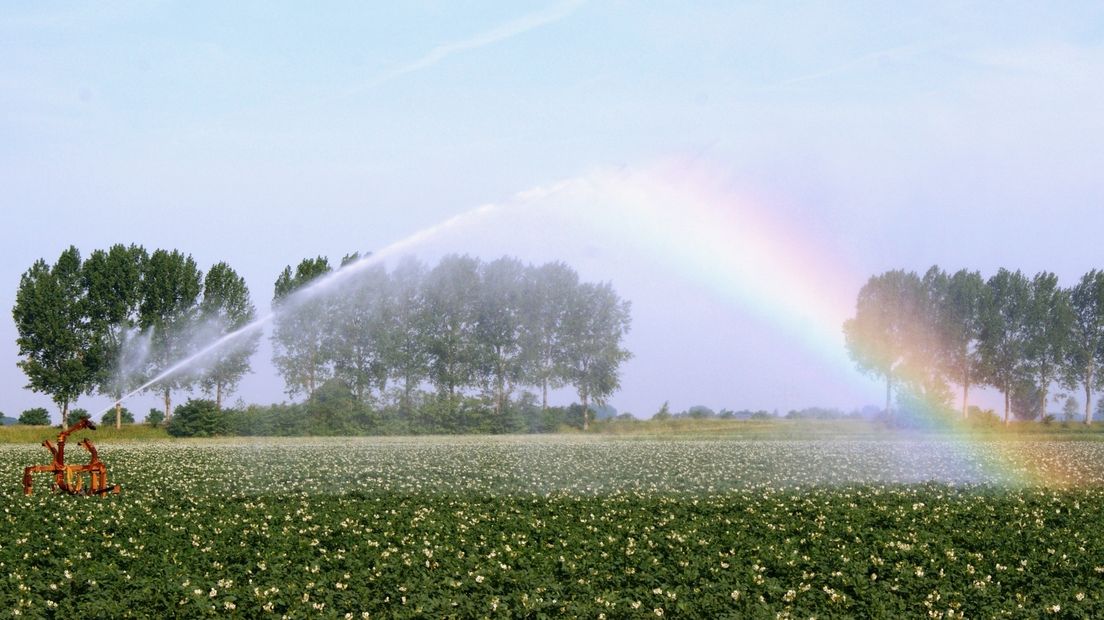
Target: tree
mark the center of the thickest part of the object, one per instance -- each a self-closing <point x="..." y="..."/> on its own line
<point x="112" y="281"/>
<point x="300" y="329"/>
<point x="197" y="418"/>
<point x="1085" y="352"/>
<point x="1049" y="319"/>
<point x="544" y="315"/>
<point x="36" y="416"/>
<point x="1005" y="332"/>
<point x="225" y="309"/>
<point x="1025" y="400"/>
<point x="76" y="414"/>
<point x="1069" y="408"/>
<point x="155" y="417"/>
<point x="357" y="333"/>
<point x="888" y="313"/>
<point x="404" y="337"/>
<point x="170" y="296"/>
<point x="450" y="317"/>
<point x="124" y="414"/>
<point x="596" y="323"/>
<point x="498" y="328"/>
<point x="53" y="334"/>
<point x="960" y="327"/>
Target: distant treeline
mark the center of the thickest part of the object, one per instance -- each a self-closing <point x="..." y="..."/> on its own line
<point x="475" y="333"/>
<point x="1020" y="335"/>
<point x="467" y="328"/>
<point x="110" y="322"/>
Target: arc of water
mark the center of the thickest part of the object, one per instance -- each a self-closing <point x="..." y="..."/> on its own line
<point x="332" y="279"/>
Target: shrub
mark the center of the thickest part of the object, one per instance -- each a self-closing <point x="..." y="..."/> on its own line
<point x="76" y="414"/>
<point x="125" y="416"/>
<point x="37" y="416"/>
<point x="155" y="416"/>
<point x="197" y="418"/>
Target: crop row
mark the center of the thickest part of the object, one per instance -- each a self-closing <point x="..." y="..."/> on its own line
<point x="554" y="527"/>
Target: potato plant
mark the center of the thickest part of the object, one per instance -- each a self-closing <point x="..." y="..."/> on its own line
<point x="539" y="527"/>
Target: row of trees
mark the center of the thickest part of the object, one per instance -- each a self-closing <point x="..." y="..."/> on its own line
<point x="1017" y="334"/>
<point x="464" y="327"/>
<point x="125" y="319"/>
<point x="112" y="321"/>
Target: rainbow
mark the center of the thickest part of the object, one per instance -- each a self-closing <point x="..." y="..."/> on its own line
<point x="733" y="247"/>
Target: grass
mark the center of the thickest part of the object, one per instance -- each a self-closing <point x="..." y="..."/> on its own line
<point x="25" y="434"/>
<point x="682" y="428"/>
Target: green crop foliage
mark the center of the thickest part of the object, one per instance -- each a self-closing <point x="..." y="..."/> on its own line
<point x="562" y="526"/>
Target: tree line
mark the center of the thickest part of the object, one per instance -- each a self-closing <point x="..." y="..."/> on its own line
<point x="1020" y="335"/>
<point x="464" y="327"/>
<point x="110" y="323"/>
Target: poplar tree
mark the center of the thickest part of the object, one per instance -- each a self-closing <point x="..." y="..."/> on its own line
<point x="879" y="338"/>
<point x="596" y="323"/>
<point x="299" y="332"/>
<point x="225" y="309"/>
<point x="545" y="312"/>
<point x="1085" y="353"/>
<point x="1047" y="334"/>
<point x="53" y="334"/>
<point x="171" y="288"/>
<point x="1005" y="332"/>
<point x="112" y="281"/>
<point x="960" y="324"/>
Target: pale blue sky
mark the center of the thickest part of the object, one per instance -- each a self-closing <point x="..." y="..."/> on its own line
<point x="904" y="134"/>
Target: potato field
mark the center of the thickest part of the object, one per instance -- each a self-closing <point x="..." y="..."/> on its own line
<point x="563" y="527"/>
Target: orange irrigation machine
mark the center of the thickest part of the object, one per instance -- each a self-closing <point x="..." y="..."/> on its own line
<point x="70" y="478"/>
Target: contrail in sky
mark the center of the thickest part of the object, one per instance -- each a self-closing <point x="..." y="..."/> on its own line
<point x="499" y="33"/>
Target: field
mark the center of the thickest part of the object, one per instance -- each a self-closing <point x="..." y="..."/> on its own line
<point x="886" y="526"/>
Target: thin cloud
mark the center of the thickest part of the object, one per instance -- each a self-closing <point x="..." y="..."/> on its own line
<point x="505" y="31"/>
<point x="854" y="63"/>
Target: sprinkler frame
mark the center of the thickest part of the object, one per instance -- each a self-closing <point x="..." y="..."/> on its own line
<point x="70" y="478"/>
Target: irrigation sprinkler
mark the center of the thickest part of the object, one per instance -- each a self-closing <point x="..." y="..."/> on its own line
<point x="70" y="478"/>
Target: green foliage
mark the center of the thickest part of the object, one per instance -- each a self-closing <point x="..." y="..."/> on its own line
<point x="53" y="335"/>
<point x="1085" y="353"/>
<point x="155" y="416"/>
<point x="171" y="286"/>
<point x="38" y="416"/>
<point x="564" y="528"/>
<point x="75" y="415"/>
<point x="479" y="333"/>
<point x="125" y="416"/>
<point x="1070" y="409"/>
<point x="112" y="283"/>
<point x="198" y="418"/>
<point x="664" y="412"/>
<point x="300" y="330"/>
<point x="888" y="314"/>
<point x="226" y="308"/>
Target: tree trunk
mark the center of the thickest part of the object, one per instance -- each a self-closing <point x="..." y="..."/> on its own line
<point x="965" y="394"/>
<point x="218" y="395"/>
<point x="889" y="388"/>
<point x="1088" y="399"/>
<point x="118" y="415"/>
<point x="1007" y="406"/>
<point x="1042" y="404"/>
<point x="544" y="394"/>
<point x="1090" y="372"/>
<point x="168" y="405"/>
<point x="65" y="415"/>
<point x="586" y="409"/>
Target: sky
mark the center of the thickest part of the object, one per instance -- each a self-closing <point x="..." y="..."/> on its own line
<point x="736" y="170"/>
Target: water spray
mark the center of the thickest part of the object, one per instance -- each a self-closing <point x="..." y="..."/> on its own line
<point x="327" y="281"/>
